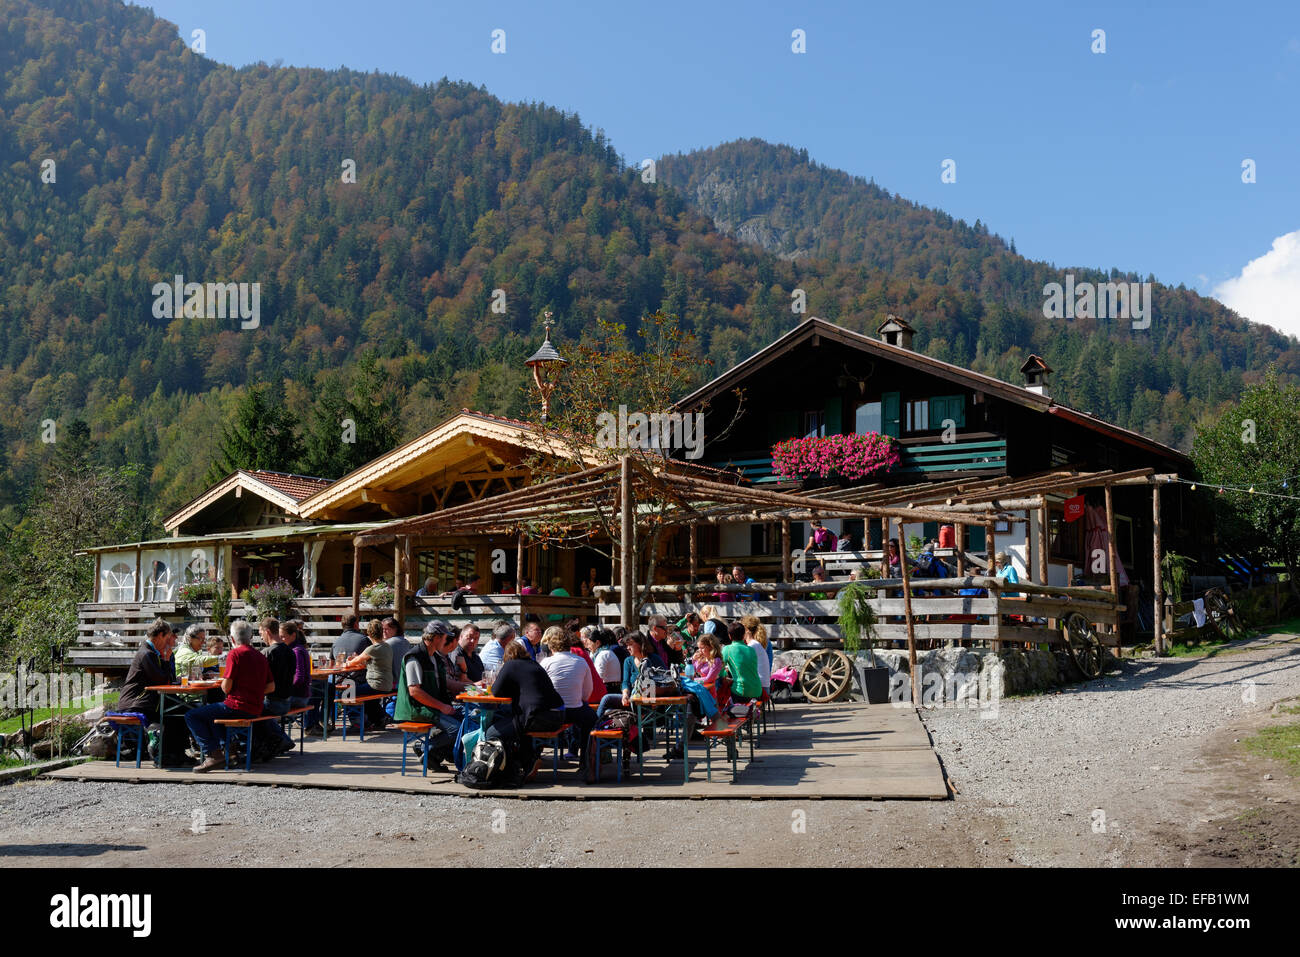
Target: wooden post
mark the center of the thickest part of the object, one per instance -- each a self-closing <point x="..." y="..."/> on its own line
<point x="408" y="559"/>
<point x="519" y="565"/>
<point x="95" y="592"/>
<point x="1112" y="564"/>
<point x="139" y="585"/>
<point x="356" y="579"/>
<point x="695" y="559"/>
<point x="399" y="585"/>
<point x="626" y="563"/>
<point x="990" y="546"/>
<point x="787" y="641"/>
<point x="959" y="531"/>
<point x="1029" y="550"/>
<point x="884" y="548"/>
<point x="907" y="610"/>
<point x="1043" y="571"/>
<point x="1158" y="618"/>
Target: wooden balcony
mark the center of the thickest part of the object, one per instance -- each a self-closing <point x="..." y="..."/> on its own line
<point x="108" y="633"/>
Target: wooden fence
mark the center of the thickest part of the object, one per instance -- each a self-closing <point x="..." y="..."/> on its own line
<point x="108" y="633"/>
<point x="940" y="613"/>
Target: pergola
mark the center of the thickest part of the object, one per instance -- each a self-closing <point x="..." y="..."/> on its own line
<point x="652" y="492"/>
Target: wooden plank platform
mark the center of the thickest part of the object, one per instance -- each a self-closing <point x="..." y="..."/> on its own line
<point x="837" y="751"/>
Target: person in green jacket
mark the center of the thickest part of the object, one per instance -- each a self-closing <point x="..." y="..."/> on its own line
<point x="422" y="693"/>
<point x="742" y="667"/>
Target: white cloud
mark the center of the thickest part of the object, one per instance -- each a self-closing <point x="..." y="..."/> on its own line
<point x="1268" y="289"/>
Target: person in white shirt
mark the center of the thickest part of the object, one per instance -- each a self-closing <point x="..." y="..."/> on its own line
<point x="600" y="643"/>
<point x="572" y="679"/>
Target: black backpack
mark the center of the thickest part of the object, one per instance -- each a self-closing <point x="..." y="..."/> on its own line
<point x="488" y="767"/>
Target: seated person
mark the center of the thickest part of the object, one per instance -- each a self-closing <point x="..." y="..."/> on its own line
<point x="351" y="641"/>
<point x="422" y="693"/>
<point x="281" y="659"/>
<point x="153" y="665"/>
<point x="640" y="652"/>
<point x="707" y="661"/>
<point x="818" y="575"/>
<point x="216" y="649"/>
<point x="469" y="666"/>
<point x="378" y="659"/>
<point x="667" y="644"/>
<point x="822" y="538"/>
<point x="741" y="664"/>
<point x="601" y="645"/>
<point x="720" y="573"/>
<point x="571" y="677"/>
<point x="429" y="589"/>
<point x="294" y="638"/>
<point x="190" y="658"/>
<point x="534" y="703"/>
<point x="248" y="680"/>
<point x="738" y="577"/>
<point x="756" y="638"/>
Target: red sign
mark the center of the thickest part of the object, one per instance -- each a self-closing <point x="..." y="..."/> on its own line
<point x="1074" y="508"/>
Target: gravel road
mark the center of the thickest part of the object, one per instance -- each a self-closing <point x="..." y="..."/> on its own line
<point x="1139" y="769"/>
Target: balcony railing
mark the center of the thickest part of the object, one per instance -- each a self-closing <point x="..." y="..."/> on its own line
<point x="967" y="455"/>
<point x="108" y="633"/>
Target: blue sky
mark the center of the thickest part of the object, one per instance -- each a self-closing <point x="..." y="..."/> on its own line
<point x="1129" y="158"/>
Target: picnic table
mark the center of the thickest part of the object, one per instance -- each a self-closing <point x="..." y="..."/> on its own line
<point x="648" y="716"/>
<point x="487" y="706"/>
<point x="181" y="692"/>
<point x="331" y="674"/>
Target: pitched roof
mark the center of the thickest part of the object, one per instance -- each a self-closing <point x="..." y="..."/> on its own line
<point x="814" y="327"/>
<point x="297" y="487"/>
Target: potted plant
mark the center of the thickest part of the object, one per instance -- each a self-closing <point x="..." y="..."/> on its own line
<point x="222" y="595"/>
<point x="273" y="598"/>
<point x="842" y="458"/>
<point x="857" y="621"/>
<point x="378" y="594"/>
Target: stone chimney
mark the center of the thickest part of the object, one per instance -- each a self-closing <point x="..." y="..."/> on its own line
<point x="1035" y="371"/>
<point x="895" y="332"/>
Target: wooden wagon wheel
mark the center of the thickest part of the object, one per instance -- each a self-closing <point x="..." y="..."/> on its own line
<point x="825" y="676"/>
<point x="1084" y="646"/>
<point x="1220" y="613"/>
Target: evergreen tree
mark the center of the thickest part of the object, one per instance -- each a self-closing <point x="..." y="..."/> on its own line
<point x="261" y="435"/>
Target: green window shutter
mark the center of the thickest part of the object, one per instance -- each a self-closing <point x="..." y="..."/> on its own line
<point x="890" y="409"/>
<point x="948" y="407"/>
<point x="930" y="531"/>
<point x="834" y="415"/>
<point x="785" y="425"/>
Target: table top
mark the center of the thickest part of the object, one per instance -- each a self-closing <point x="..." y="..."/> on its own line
<point x="337" y="670"/>
<point x="481" y="699"/>
<point x="683" y="699"/>
<point x="197" y="687"/>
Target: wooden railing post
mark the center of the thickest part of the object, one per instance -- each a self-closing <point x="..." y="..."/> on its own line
<point x="1156" y="620"/>
<point x="356" y="579"/>
<point x="907" y="611"/>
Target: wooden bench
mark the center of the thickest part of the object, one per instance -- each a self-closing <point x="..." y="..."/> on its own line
<point x="724" y="730"/>
<point x="133" y="723"/>
<point x="603" y="739"/>
<point x="554" y="738"/>
<point x="297" y="716"/>
<point x="421" y="731"/>
<point x="344" y="706"/>
<point x="244" y="726"/>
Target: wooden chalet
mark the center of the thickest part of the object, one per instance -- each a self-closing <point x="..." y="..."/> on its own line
<point x="985" y="465"/>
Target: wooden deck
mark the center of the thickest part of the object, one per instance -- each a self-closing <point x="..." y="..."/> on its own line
<point x="835" y="751"/>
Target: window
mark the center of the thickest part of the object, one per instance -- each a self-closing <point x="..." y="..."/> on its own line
<point x="814" y="424"/>
<point x="918" y="415"/>
<point x="945" y="407"/>
<point x="157" y="586"/>
<point x="868" y="418"/>
<point x="1065" y="539"/>
<point x="446" y="566"/>
<point x="118" y="584"/>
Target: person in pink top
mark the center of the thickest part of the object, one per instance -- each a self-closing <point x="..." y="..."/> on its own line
<point x="708" y="660"/>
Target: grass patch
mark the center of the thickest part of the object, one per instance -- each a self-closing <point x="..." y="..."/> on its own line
<point x="1183" y="650"/>
<point x="1288" y="626"/>
<point x="10" y="725"/>
<point x="1280" y="743"/>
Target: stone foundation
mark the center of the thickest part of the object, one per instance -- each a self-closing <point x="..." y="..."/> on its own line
<point x="996" y="674"/>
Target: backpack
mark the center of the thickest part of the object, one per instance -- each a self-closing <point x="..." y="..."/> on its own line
<point x="487" y="767"/>
<point x="653" y="682"/>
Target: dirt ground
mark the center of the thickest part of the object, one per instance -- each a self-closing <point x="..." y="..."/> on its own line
<point x="1157" y="777"/>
